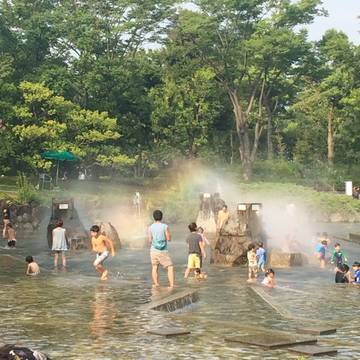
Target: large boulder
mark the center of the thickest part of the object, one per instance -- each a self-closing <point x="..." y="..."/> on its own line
<point x="279" y="259"/>
<point x="109" y="230"/>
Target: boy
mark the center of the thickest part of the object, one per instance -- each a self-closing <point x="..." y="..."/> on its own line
<point x="269" y="280"/>
<point x="343" y="274"/>
<point x="200" y="275"/>
<point x="101" y="246"/>
<point x="196" y="249"/>
<point x="321" y="251"/>
<point x="356" y="268"/>
<point x="261" y="257"/>
<point x="11" y="235"/>
<point x="32" y="268"/>
<point x="338" y="257"/>
<point x="252" y="263"/>
<point x="158" y="238"/>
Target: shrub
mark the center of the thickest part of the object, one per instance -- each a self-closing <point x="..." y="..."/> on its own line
<point x="26" y="192"/>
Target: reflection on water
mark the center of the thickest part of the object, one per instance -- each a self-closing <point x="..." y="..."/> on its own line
<point x="75" y="316"/>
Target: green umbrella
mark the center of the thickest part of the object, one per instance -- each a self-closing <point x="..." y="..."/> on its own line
<point x="59" y="156"/>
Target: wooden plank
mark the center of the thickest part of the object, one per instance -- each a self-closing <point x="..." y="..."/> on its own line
<point x="271" y="341"/>
<point x="313" y="350"/>
<point x="168" y="332"/>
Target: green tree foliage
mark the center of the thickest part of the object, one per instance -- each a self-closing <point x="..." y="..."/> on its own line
<point x="49" y="122"/>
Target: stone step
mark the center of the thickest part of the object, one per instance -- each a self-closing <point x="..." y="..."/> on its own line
<point x="175" y="300"/>
<point x="271" y="341"/>
<point x="168" y="332"/>
<point x="313" y="350"/>
<point x="317" y="330"/>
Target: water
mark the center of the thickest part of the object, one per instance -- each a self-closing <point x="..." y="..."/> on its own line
<point x="72" y="315"/>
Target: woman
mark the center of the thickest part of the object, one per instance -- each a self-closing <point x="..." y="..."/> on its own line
<point x="59" y="244"/>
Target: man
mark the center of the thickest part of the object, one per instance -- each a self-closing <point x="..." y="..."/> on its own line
<point x="101" y="246"/>
<point x="196" y="250"/>
<point x="158" y="237"/>
<point x="223" y="217"/>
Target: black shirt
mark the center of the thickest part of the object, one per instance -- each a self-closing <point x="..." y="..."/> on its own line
<point x="193" y="241"/>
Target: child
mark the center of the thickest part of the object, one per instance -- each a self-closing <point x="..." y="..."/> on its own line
<point x="338" y="257"/>
<point x="321" y="251"/>
<point x="343" y="274"/>
<point x="261" y="257"/>
<point x="269" y="280"/>
<point x="11" y="235"/>
<point x="200" y="275"/>
<point x="196" y="249"/>
<point x="252" y="263"/>
<point x="101" y="245"/>
<point x="59" y="244"/>
<point x="32" y="268"/>
<point x="200" y="230"/>
<point x="356" y="268"/>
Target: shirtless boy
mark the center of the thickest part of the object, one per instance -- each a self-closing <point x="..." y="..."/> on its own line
<point x="32" y="267"/>
<point x="101" y="245"/>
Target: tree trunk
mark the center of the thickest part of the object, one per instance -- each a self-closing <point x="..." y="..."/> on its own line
<point x="243" y="135"/>
<point x="330" y="138"/>
<point x="269" y="137"/>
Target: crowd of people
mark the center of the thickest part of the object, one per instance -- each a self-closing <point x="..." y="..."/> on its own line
<point x="338" y="258"/>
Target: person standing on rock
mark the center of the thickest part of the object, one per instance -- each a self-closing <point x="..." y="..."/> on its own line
<point x="59" y="244"/>
<point x="6" y="220"/>
<point x="158" y="237"/>
<point x="223" y="217"/>
<point x="101" y="245"/>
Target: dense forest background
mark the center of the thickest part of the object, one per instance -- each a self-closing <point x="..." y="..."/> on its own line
<point x="132" y="86"/>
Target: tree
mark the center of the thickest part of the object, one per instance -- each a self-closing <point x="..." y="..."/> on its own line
<point x="243" y="42"/>
<point x="45" y="121"/>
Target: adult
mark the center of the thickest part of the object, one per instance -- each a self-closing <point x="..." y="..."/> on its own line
<point x="158" y="237"/>
<point x="59" y="244"/>
<point x="223" y="217"/>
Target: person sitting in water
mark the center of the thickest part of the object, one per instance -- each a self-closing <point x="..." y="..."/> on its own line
<point x="343" y="275"/>
<point x="32" y="268"/>
<point x="356" y="269"/>
<point x="14" y="352"/>
<point x="101" y="245"/>
<point x="269" y="280"/>
<point x="11" y="235"/>
<point x="200" y="275"/>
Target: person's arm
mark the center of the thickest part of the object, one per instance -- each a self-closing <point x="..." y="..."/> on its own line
<point x="150" y="238"/>
<point x="92" y="244"/>
<point x="202" y="248"/>
<point x="332" y="259"/>
<point x="206" y="240"/>
<point x="28" y="270"/>
<point x="167" y="234"/>
<point x="110" y="245"/>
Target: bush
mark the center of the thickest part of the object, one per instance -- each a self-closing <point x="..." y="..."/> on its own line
<point x="26" y="192"/>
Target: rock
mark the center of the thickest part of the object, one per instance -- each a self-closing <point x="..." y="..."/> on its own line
<point x="28" y="227"/>
<point x="19" y="219"/>
<point x="35" y="224"/>
<point x="109" y="230"/>
<point x="284" y="259"/>
<point x="26" y="217"/>
<point x="232" y="241"/>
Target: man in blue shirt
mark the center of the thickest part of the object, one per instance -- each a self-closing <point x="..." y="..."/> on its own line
<point x="159" y="235"/>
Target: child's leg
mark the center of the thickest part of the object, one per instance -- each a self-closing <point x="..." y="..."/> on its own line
<point x="56" y="258"/>
<point x="63" y="258"/>
<point x="250" y="273"/>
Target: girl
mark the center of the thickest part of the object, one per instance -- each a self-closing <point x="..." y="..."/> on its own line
<point x="59" y="245"/>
